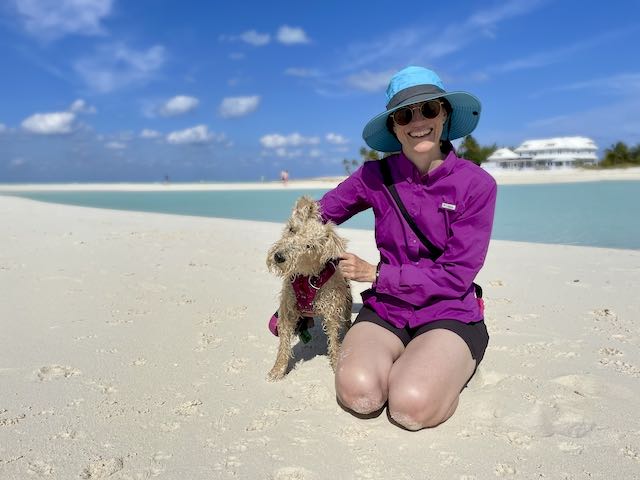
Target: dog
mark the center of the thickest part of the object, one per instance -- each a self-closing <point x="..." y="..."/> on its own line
<point x="306" y="257"/>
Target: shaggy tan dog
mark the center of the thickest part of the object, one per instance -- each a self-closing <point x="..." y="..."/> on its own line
<point x="306" y="257"/>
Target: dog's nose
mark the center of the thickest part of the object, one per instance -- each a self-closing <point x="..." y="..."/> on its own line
<point x="279" y="258"/>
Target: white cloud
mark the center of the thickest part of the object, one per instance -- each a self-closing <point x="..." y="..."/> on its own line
<point x="117" y="66"/>
<point x="50" y="20"/>
<point x="199" y="134"/>
<point x="370" y="81"/>
<point x="292" y="35"/>
<point x="56" y="123"/>
<point x="275" y="140"/>
<point x="336" y="139"/>
<point x="3" y="128"/>
<point x="179" y="105"/>
<point x="116" y="145"/>
<point x="254" y="38"/>
<point x="148" y="133"/>
<point x="81" y="106"/>
<point x="238" y="106"/>
<point x="236" y="56"/>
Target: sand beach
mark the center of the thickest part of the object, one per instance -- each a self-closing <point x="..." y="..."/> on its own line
<point x="135" y="346"/>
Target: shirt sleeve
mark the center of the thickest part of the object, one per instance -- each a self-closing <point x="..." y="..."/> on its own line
<point x="347" y="199"/>
<point x="451" y="275"/>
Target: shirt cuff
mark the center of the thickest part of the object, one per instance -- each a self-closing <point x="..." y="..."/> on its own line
<point x="387" y="277"/>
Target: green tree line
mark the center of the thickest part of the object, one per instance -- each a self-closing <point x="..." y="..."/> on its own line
<point x="620" y="155"/>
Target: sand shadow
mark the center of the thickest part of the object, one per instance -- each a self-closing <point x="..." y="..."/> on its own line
<point x="316" y="346"/>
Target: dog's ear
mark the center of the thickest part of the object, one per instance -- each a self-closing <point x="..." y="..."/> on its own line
<point x="306" y="208"/>
<point x="334" y="245"/>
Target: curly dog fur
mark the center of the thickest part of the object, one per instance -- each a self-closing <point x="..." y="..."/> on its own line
<point x="305" y="248"/>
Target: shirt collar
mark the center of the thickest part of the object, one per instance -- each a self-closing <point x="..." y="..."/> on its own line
<point x="409" y="171"/>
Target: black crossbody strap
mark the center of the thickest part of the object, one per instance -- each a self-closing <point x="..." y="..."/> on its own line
<point x="388" y="181"/>
<point x="435" y="251"/>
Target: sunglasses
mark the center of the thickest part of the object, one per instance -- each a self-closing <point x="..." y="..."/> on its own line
<point x="429" y="109"/>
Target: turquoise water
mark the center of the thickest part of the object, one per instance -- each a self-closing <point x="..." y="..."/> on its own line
<point x="601" y="214"/>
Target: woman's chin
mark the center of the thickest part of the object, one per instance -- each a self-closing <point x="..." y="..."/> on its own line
<point x="424" y="146"/>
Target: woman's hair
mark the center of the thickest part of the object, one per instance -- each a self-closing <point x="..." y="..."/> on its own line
<point x="445" y="145"/>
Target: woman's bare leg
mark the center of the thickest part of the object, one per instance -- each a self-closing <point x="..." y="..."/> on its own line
<point x="426" y="380"/>
<point x="365" y="360"/>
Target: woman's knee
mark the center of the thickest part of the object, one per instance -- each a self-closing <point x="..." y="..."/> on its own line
<point x="360" y="389"/>
<point x="415" y="408"/>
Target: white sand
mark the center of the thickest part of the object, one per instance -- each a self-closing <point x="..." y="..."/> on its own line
<point x="135" y="346"/>
<point x="503" y="177"/>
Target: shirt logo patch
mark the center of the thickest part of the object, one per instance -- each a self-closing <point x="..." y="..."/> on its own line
<point x="448" y="206"/>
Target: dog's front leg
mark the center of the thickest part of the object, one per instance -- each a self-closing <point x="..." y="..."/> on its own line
<point x="287" y="321"/>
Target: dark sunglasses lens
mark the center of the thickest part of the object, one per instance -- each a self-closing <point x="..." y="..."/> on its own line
<point x="430" y="109"/>
<point x="402" y="116"/>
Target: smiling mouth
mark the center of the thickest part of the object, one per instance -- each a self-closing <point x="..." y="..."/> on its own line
<point x="421" y="134"/>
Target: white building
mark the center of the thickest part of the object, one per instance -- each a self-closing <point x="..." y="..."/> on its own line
<point x="545" y="154"/>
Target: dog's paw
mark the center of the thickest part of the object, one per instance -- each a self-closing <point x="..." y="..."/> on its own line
<point x="276" y="374"/>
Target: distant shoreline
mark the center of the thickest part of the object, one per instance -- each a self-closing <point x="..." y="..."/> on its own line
<point x="502" y="178"/>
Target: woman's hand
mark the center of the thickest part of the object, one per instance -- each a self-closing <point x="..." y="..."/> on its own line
<point x="353" y="267"/>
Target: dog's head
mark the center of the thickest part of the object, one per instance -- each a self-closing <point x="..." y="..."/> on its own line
<point x="306" y="244"/>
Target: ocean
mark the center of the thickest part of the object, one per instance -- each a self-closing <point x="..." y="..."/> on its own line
<point x="599" y="214"/>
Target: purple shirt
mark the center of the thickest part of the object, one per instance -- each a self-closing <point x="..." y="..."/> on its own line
<point x="453" y="206"/>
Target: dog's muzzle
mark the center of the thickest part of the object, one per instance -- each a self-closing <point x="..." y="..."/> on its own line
<point x="279" y="257"/>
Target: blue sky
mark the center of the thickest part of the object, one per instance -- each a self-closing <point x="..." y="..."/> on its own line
<point x="108" y="90"/>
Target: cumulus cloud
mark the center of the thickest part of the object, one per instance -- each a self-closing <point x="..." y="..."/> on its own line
<point x="292" y="35"/>
<point x="199" y="134"/>
<point x="148" y="133"/>
<point x="49" y="20"/>
<point x="238" y="106"/>
<point x="254" y="38"/>
<point x="116" y="66"/>
<point x="275" y="140"/>
<point x="336" y="139"/>
<point x="179" y="105"/>
<point x="55" y="123"/>
<point x="81" y="106"/>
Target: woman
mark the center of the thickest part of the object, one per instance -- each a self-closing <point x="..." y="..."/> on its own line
<point x="420" y="335"/>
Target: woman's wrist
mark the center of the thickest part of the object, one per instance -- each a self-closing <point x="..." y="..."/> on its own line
<point x="376" y="274"/>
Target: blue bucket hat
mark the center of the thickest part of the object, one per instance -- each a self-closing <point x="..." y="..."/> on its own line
<point x="414" y="85"/>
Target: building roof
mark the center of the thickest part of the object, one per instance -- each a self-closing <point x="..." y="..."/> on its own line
<point x="503" y="154"/>
<point x="558" y="143"/>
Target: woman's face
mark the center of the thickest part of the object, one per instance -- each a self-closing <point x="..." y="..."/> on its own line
<point x="421" y="135"/>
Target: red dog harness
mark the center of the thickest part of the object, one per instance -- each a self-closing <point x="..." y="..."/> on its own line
<point x="305" y="289"/>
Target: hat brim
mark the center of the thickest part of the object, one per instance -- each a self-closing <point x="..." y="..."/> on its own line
<point x="464" y="119"/>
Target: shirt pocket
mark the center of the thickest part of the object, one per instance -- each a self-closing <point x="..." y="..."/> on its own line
<point x="450" y="209"/>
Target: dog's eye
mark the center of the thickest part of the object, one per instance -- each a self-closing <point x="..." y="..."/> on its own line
<point x="308" y="246"/>
<point x="292" y="230"/>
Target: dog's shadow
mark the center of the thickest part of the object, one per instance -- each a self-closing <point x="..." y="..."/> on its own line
<point x="318" y="343"/>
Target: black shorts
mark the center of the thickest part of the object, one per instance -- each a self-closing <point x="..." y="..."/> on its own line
<point x="474" y="334"/>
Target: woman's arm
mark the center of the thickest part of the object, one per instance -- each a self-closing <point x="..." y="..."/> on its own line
<point x="451" y="275"/>
<point x="348" y="198"/>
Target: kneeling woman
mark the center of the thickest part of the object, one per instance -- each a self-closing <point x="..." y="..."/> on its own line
<point x="420" y="335"/>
